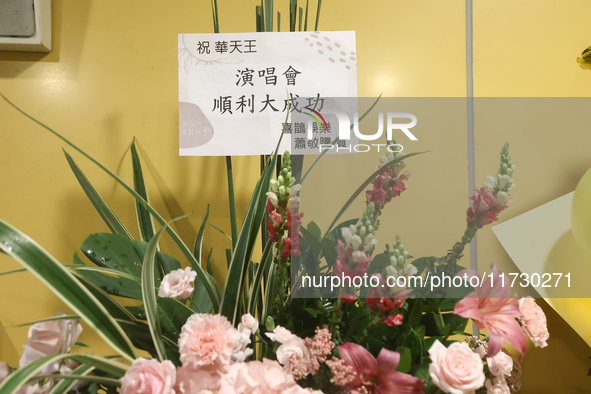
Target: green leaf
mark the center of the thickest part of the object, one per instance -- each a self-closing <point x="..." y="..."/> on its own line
<point x="101" y="363"/>
<point x="104" y="211"/>
<point x="112" y="251"/>
<point x="231" y="200"/>
<point x="200" y="303"/>
<point x="149" y="294"/>
<point x="144" y="219"/>
<point x="164" y="262"/>
<point x="201" y="274"/>
<point x="314" y="229"/>
<point x="317" y="15"/>
<point x="245" y="244"/>
<point x="63" y="284"/>
<point x="199" y="240"/>
<point x="210" y="262"/>
<point x="254" y="294"/>
<point x="416" y="312"/>
<point x="378" y="264"/>
<point x="53" y="318"/>
<point x="65" y="385"/>
<point x="311" y="241"/>
<point x="405" y="359"/>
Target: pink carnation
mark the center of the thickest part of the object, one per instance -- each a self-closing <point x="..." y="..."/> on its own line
<point x="534" y="321"/>
<point x="177" y="284"/>
<point x="149" y="377"/>
<point x="200" y="381"/>
<point x="257" y="377"/>
<point x="207" y="340"/>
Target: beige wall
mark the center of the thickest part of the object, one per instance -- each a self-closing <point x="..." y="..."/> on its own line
<point x="113" y="75"/>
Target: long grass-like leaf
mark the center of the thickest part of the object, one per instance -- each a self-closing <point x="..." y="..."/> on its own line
<point x="65" y="385"/>
<point x="204" y="278"/>
<point x="293" y="6"/>
<point x="306" y="19"/>
<point x="199" y="240"/>
<point x="53" y="318"/>
<point x="149" y="294"/>
<point x="269" y="15"/>
<point x="232" y="201"/>
<point x="106" y="213"/>
<point x="144" y="219"/>
<point x="254" y="293"/>
<point x="57" y="278"/>
<point x="107" y="271"/>
<point x="318" y="15"/>
<point x="245" y="244"/>
<point x="102" y="363"/>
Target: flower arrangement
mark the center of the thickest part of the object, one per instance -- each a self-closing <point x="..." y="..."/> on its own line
<point x="251" y="335"/>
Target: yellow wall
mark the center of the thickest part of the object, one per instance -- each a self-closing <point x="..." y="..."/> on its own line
<point x="113" y="75"/>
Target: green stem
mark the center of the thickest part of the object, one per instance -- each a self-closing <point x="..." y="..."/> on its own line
<point x="232" y="201"/>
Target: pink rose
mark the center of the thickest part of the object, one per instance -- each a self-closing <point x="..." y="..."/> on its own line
<point x="149" y="377"/>
<point x="177" y="284"/>
<point x="456" y="369"/>
<point x="50" y="337"/>
<point x="200" y="381"/>
<point x="4" y="371"/>
<point x="500" y="365"/>
<point x="207" y="340"/>
<point x="534" y="321"/>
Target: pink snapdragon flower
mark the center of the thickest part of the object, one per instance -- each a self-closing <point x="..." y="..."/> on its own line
<point x="485" y="205"/>
<point x="491" y="309"/>
<point x="533" y="319"/>
<point x="149" y="377"/>
<point x="177" y="284"/>
<point x="377" y="375"/>
<point x="207" y="340"/>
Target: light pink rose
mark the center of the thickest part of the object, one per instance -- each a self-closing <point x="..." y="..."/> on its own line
<point x="534" y="321"/>
<point x="497" y="387"/>
<point x="200" y="381"/>
<point x="149" y="377"/>
<point x="4" y="371"/>
<point x="177" y="284"/>
<point x="51" y="337"/>
<point x="456" y="369"/>
<point x="500" y="365"/>
<point x="256" y="377"/>
<point x="207" y="340"/>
